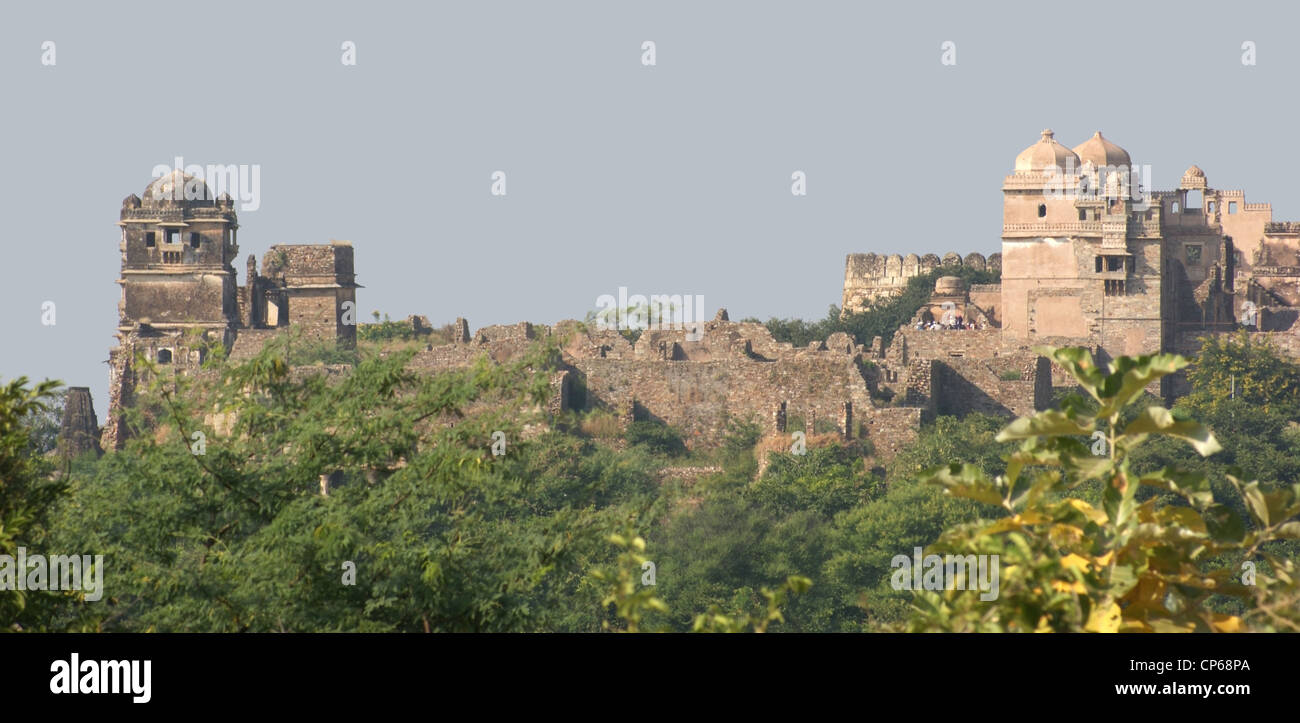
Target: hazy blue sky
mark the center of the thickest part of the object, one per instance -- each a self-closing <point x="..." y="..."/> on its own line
<point x="666" y="179"/>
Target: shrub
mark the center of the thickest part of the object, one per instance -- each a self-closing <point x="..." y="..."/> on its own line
<point x="600" y="423"/>
<point x="1067" y="565"/>
<point x="655" y="436"/>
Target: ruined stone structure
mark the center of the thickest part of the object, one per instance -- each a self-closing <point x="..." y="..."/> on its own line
<point x="870" y="277"/>
<point x="1087" y="261"/>
<point x="1084" y="262"/>
<point x="79" y="432"/>
<point x="180" y="292"/>
<point x="734" y="370"/>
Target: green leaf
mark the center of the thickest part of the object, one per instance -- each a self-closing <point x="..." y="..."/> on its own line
<point x="1080" y="365"/>
<point x="1256" y="503"/>
<point x="1192" y="486"/>
<point x="1158" y="420"/>
<point x="1049" y="423"/>
<point x="964" y="480"/>
<point x="1130" y="375"/>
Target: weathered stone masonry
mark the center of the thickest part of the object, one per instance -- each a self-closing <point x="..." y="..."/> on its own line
<point x="1104" y="272"/>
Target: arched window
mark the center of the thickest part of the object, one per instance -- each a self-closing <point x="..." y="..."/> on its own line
<point x="1042" y="210"/>
<point x="164" y="356"/>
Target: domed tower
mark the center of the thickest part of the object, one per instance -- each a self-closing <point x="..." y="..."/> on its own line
<point x="1101" y="153"/>
<point x="179" y="288"/>
<point x="1040" y="191"/>
<point x="1045" y="155"/>
<point x="178" y="245"/>
<point x="1038" y="213"/>
<point x="1072" y="271"/>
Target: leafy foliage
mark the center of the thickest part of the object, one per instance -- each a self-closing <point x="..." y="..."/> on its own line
<point x="308" y="468"/>
<point x="1128" y="565"/>
<point x="1235" y="368"/>
<point x="656" y="436"/>
<point x="27" y="491"/>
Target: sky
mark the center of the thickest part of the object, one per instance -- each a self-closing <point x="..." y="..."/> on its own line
<point x="671" y="178"/>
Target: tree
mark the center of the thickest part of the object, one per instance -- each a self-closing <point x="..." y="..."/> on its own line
<point x="1236" y="367"/>
<point x="304" y="472"/>
<point x="27" y="493"/>
<point x="1067" y="565"/>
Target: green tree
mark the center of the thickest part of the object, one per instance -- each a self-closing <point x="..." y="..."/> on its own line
<point x="442" y="534"/>
<point x="27" y="493"/>
<point x="1235" y="367"/>
<point x="1127" y="565"/>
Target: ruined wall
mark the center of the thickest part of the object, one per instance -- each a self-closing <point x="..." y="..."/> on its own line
<point x="976" y="343"/>
<point x="869" y="277"/>
<point x="1007" y="386"/>
<point x="892" y="429"/>
<point x="988" y="299"/>
<point x="699" y="397"/>
<point x="732" y="370"/>
<point x="312" y="286"/>
<point x="249" y="342"/>
<point x="316" y="312"/>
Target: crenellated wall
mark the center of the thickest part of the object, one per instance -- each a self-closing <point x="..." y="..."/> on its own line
<point x="869" y="277"/>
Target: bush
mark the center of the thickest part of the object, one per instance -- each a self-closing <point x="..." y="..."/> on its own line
<point x="599" y="423"/>
<point x="1125" y="565"/>
<point x="656" y="437"/>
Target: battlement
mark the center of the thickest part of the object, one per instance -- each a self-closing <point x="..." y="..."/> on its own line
<point x="870" y="277"/>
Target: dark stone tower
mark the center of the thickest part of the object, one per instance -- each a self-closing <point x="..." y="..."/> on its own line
<point x="179" y="289"/>
<point x="79" y="433"/>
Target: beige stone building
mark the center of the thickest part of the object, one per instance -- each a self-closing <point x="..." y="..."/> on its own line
<point x="1090" y="258"/>
<point x="1086" y="260"/>
<point x="180" y="292"/>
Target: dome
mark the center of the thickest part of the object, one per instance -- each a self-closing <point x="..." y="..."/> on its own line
<point x="1100" y="152"/>
<point x="949" y="285"/>
<point x="1193" y="178"/>
<point x="177" y="187"/>
<point x="1045" y="154"/>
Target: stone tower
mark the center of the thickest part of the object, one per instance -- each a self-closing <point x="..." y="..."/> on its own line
<point x="311" y="286"/>
<point x="79" y="432"/>
<point x="179" y="288"/>
<point x="1081" y="263"/>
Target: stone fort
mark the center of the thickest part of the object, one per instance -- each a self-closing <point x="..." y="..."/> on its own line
<point x="1080" y="266"/>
